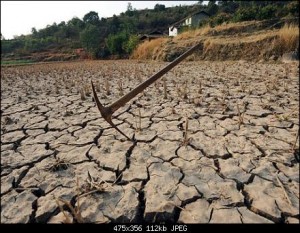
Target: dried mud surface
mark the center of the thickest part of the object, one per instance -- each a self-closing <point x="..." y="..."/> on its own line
<point x="236" y="162"/>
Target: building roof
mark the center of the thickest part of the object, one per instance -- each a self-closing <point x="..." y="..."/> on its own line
<point x="152" y="35"/>
<point x="156" y="32"/>
<point x="176" y="24"/>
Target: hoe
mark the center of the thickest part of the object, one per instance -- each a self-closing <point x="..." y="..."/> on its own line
<point x="108" y="111"/>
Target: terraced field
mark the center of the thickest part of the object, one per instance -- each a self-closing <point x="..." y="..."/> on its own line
<point x="212" y="142"/>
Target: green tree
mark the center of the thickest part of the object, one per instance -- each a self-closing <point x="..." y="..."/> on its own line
<point x="60" y="34"/>
<point x="116" y="42"/>
<point x="76" y="23"/>
<point x="129" y="6"/>
<point x="228" y="6"/>
<point x="90" y="39"/>
<point x="131" y="44"/>
<point x="159" y="7"/>
<point x="212" y="8"/>
<point x="219" y="19"/>
<point x="115" y="24"/>
<point x="129" y="11"/>
<point x="292" y="8"/>
<point x="10" y="46"/>
<point x="244" y="14"/>
<point x="91" y="18"/>
<point x="34" y="32"/>
<point x="35" y="45"/>
<point x="267" y="12"/>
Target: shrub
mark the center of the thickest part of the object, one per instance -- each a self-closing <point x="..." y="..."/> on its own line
<point x="115" y="43"/>
<point x="219" y="19"/>
<point x="291" y="9"/>
<point x="131" y="44"/>
<point x="244" y="14"/>
<point x="267" y="12"/>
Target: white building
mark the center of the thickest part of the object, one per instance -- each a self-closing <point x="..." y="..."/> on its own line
<point x="190" y="21"/>
<point x="173" y="31"/>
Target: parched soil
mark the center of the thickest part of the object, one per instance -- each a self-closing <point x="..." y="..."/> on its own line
<point x="219" y="146"/>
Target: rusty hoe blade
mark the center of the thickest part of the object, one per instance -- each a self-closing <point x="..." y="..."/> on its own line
<point x="106" y="112"/>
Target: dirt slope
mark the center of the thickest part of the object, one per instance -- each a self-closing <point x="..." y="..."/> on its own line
<point x="252" y="41"/>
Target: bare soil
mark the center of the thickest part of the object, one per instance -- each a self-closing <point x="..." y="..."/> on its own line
<point x="236" y="162"/>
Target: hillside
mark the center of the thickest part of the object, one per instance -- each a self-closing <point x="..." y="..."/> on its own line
<point x="250" y="40"/>
<point x="100" y="37"/>
<point x="235" y="30"/>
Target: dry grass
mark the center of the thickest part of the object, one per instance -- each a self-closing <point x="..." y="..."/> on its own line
<point x="204" y="30"/>
<point x="165" y="88"/>
<point x="76" y="212"/>
<point x="240" y="116"/>
<point x="82" y="94"/>
<point x="234" y="27"/>
<point x="186" y="139"/>
<point x="93" y="185"/>
<point x="207" y="30"/>
<point x="283" y="189"/>
<point x="58" y="165"/>
<point x="107" y="87"/>
<point x="208" y="45"/>
<point x="295" y="143"/>
<point x="120" y="87"/>
<point x="138" y="124"/>
<point x="148" y="48"/>
<point x="288" y="37"/>
<point x="228" y="41"/>
<point x="193" y="33"/>
<point x="186" y="35"/>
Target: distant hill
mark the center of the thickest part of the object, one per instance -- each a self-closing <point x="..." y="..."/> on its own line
<point x="118" y="36"/>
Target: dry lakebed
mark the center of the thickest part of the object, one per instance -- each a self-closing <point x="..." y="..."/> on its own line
<point x="212" y="142"/>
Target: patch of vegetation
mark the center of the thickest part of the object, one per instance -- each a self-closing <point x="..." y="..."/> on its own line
<point x="16" y="62"/>
<point x="119" y="35"/>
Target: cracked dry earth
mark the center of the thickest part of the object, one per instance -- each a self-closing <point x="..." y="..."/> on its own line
<point x="236" y="162"/>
